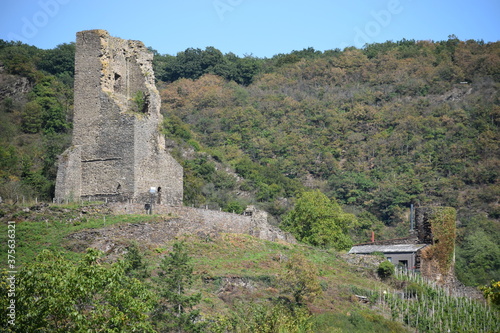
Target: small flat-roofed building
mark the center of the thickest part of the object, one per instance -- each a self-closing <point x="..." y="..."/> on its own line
<point x="430" y="247"/>
<point x="405" y="255"/>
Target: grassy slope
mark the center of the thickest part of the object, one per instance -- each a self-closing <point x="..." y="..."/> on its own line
<point x="240" y="269"/>
<point x="46" y="228"/>
<point x="238" y="273"/>
<point x="234" y="269"/>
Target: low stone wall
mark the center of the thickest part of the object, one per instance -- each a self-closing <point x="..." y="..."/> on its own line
<point x="196" y="220"/>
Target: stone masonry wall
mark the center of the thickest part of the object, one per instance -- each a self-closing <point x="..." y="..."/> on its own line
<point x="198" y="220"/>
<point x="117" y="152"/>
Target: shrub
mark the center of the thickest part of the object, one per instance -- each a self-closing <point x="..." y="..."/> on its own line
<point x="385" y="269"/>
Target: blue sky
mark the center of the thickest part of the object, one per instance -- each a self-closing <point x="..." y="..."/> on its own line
<point x="262" y="28"/>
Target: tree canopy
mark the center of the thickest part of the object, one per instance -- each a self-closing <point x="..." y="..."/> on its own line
<point x="193" y="63"/>
<point x="53" y="294"/>
<point x="175" y="310"/>
<point x="319" y="221"/>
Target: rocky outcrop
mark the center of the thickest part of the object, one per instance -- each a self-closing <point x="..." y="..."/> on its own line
<point x="13" y="86"/>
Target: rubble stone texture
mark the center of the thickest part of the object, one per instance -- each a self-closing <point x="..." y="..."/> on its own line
<point x="117" y="152"/>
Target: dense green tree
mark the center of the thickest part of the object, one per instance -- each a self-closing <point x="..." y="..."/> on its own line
<point x="54" y="117"/>
<point x="134" y="262"/>
<point x="46" y="111"/>
<point x="32" y="118"/>
<point x="385" y="269"/>
<point x="20" y="59"/>
<point x="234" y="207"/>
<point x="351" y="187"/>
<point x="243" y="70"/>
<point x="478" y="251"/>
<point x="193" y="63"/>
<point x="8" y="159"/>
<point x="174" y="127"/>
<point x="35" y="178"/>
<point x="59" y="60"/>
<point x="319" y="221"/>
<point x="55" y="295"/>
<point x="174" y="312"/>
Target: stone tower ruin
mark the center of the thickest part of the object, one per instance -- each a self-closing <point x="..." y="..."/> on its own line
<point x="117" y="151"/>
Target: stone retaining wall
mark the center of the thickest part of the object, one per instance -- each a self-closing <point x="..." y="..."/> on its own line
<point x="195" y="220"/>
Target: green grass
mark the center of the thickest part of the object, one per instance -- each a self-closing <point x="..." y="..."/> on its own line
<point x="36" y="231"/>
<point x="260" y="264"/>
<point x="360" y="320"/>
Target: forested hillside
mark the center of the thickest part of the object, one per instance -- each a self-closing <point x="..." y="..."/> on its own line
<point x="375" y="129"/>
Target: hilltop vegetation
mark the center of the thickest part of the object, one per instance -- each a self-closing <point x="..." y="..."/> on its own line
<point x="375" y="129"/>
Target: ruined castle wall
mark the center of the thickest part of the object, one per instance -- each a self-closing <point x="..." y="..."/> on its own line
<point x="196" y="220"/>
<point x="108" y="163"/>
<point x="116" y="125"/>
<point x="87" y="102"/>
<point x="69" y="178"/>
<point x="437" y="226"/>
<point x="153" y="165"/>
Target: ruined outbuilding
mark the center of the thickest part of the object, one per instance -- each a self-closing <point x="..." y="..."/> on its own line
<point x="117" y="151"/>
<point x="430" y="248"/>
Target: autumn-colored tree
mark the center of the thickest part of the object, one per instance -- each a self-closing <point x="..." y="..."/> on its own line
<point x="301" y="279"/>
<point x="492" y="293"/>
